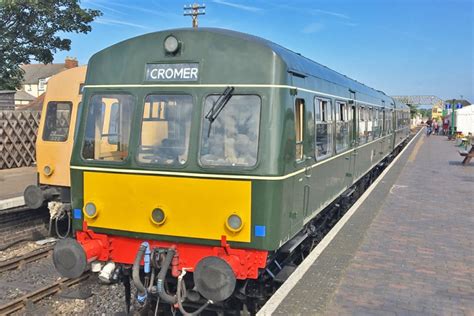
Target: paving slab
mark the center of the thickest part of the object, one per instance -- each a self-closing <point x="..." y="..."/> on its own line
<point x="407" y="250"/>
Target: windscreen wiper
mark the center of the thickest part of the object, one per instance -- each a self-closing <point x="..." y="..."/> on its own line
<point x="218" y="106"/>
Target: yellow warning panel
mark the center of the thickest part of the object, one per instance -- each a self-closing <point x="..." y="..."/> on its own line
<point x="190" y="207"/>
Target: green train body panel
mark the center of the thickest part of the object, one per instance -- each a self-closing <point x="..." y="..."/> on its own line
<point x="294" y="191"/>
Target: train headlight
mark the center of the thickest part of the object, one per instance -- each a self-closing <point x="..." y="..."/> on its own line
<point x="234" y="223"/>
<point x="158" y="216"/>
<point x="171" y="44"/>
<point x="90" y="210"/>
<point x="47" y="170"/>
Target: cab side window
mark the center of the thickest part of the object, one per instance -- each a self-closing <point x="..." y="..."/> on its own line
<point x="57" y="121"/>
<point x="299" y="119"/>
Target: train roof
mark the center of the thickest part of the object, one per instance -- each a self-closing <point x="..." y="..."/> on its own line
<point x="297" y="63"/>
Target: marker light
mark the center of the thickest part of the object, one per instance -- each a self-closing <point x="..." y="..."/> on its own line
<point x="90" y="210"/>
<point x="47" y="170"/>
<point x="171" y="44"/>
<point x="234" y="223"/>
<point x="158" y="216"/>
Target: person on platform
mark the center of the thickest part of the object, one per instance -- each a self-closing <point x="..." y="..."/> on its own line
<point x="428" y="126"/>
<point x="435" y="127"/>
<point x="445" y="126"/>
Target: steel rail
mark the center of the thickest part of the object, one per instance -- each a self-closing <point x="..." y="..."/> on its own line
<point x="17" y="262"/>
<point x="37" y="295"/>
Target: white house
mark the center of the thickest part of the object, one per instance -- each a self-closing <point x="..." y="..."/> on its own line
<point x="35" y="80"/>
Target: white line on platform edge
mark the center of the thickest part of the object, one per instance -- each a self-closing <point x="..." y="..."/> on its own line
<point x="276" y="299"/>
<point x="11" y="203"/>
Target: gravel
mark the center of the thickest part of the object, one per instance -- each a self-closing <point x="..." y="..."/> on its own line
<point x="105" y="300"/>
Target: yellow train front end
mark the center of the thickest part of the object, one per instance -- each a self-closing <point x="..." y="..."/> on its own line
<point x="55" y="138"/>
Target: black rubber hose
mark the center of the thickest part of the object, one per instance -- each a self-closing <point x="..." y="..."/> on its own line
<point x="161" y="279"/>
<point x="136" y="271"/>
<point x="56" y="225"/>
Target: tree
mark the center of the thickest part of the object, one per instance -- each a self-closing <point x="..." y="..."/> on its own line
<point x="29" y="30"/>
<point x="413" y="110"/>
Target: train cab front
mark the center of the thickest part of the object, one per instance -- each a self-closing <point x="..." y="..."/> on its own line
<point x="146" y="221"/>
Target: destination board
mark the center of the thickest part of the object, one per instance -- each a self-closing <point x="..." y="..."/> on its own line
<point x="172" y="72"/>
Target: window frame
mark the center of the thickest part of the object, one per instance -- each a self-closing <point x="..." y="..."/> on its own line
<point x="84" y="128"/>
<point x="46" y="117"/>
<point x="139" y="130"/>
<point x="300" y="104"/>
<point x="201" y="127"/>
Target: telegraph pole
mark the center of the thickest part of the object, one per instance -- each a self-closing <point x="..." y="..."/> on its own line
<point x="194" y="10"/>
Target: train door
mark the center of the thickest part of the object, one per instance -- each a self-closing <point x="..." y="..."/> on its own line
<point x="301" y="184"/>
<point x="354" y="138"/>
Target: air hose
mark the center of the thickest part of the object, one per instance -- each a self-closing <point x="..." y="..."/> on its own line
<point x="181" y="293"/>
<point x="143" y="250"/>
<point x="161" y="278"/>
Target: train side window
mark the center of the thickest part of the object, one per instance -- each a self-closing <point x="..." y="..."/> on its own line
<point x="232" y="138"/>
<point x="108" y="126"/>
<point x="299" y="119"/>
<point x="362" y="125"/>
<point x="342" y="126"/>
<point x="57" y="121"/>
<point x="166" y="126"/>
<point x="323" y="116"/>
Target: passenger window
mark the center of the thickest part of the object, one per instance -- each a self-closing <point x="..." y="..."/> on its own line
<point x="323" y="116"/>
<point x="57" y="121"/>
<point x="108" y="126"/>
<point x="342" y="127"/>
<point x="299" y="119"/>
<point x="232" y="138"/>
<point x="166" y="126"/>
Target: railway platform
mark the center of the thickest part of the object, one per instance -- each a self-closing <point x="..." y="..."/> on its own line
<point x="406" y="247"/>
<point x="13" y="183"/>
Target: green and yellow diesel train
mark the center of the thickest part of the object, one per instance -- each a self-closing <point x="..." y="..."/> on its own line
<point x="220" y="150"/>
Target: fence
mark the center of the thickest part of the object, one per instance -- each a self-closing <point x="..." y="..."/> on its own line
<point x="18" y="131"/>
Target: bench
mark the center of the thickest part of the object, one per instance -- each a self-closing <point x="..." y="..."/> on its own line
<point x="468" y="155"/>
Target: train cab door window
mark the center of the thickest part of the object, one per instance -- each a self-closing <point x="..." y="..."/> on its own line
<point x="370" y="121"/>
<point x="299" y="119"/>
<point x="342" y="126"/>
<point x="380" y="121"/>
<point x="231" y="140"/>
<point x="166" y="126"/>
<point x="362" y="125"/>
<point x="57" y="121"/>
<point x="323" y="116"/>
<point x="108" y="127"/>
<point x="375" y="123"/>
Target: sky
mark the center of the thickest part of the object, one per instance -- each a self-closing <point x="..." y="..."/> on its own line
<point x="402" y="47"/>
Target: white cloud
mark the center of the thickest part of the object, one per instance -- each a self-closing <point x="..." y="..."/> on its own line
<point x="238" y="6"/>
<point x="332" y="13"/>
<point x="313" y="28"/>
<point x="121" y="23"/>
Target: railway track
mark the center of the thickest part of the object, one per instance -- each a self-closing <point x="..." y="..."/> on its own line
<point x="21" y="302"/>
<point x="20" y="261"/>
<point x="37" y="295"/>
